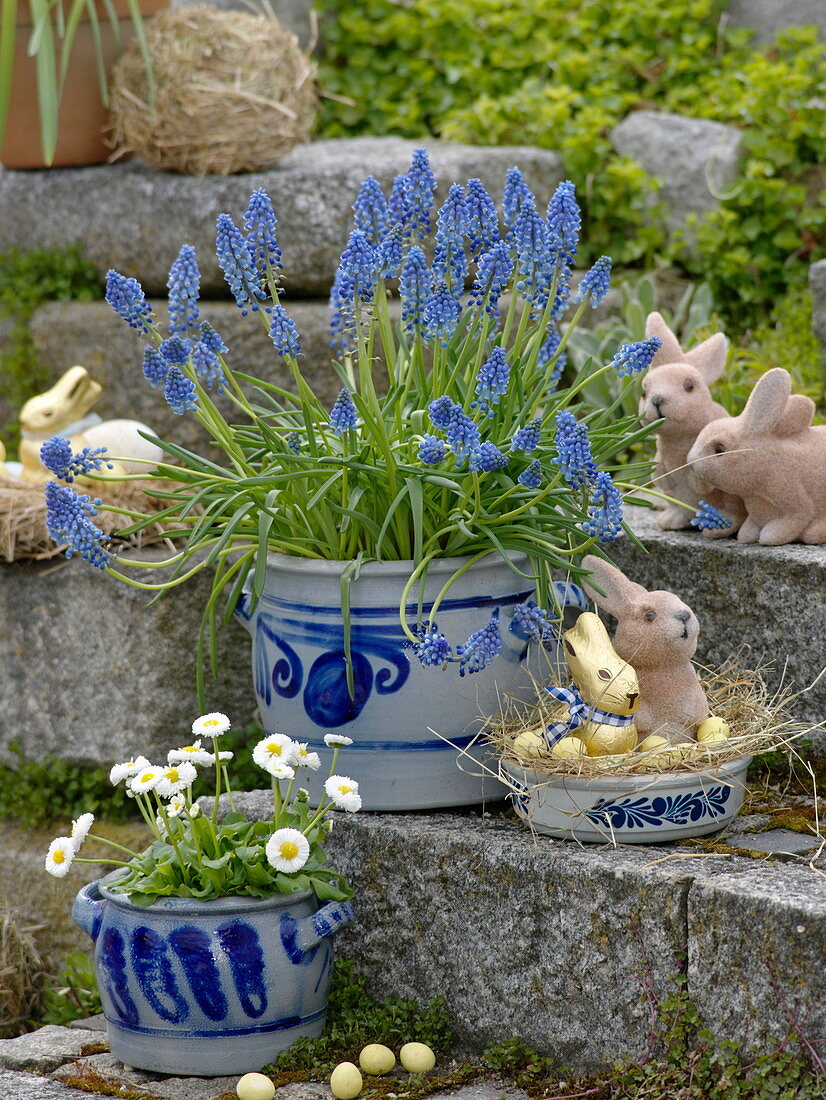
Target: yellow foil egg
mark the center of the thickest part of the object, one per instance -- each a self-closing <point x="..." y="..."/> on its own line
<point x="255" y="1086"/>
<point x="651" y="742"/>
<point x="567" y="747"/>
<point x="346" y="1081"/>
<point x="713" y="731"/>
<point x="529" y="745"/>
<point x="417" y="1057"/>
<point x="376" y="1059"/>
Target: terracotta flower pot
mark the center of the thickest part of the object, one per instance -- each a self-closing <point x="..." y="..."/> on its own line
<point x="82" y="115"/>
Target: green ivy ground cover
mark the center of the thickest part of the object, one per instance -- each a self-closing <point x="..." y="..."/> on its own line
<point x="560" y="74"/>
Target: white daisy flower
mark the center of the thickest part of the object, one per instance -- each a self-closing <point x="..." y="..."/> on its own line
<point x="225" y="755"/>
<point x="80" y="828"/>
<point x="288" y="850"/>
<point x="160" y="825"/>
<point x="211" y="725"/>
<point x="176" y="805"/>
<point x="306" y="759"/>
<point x="60" y="855"/>
<point x="281" y="771"/>
<point x="194" y="810"/>
<point x="276" y="748"/>
<point x="337" y="740"/>
<point x="147" y="779"/>
<point x="344" y="792"/>
<point x="193" y="753"/>
<point x="124" y="771"/>
<point x="175" y="778"/>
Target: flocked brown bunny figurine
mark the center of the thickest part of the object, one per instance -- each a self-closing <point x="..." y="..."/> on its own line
<point x="657" y="634"/>
<point x="772" y="457"/>
<point x="676" y="390"/>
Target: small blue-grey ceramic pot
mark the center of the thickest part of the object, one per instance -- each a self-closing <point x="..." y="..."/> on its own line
<point x="209" y="988"/>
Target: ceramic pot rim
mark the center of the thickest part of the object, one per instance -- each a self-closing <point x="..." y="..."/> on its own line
<point x="602" y="784"/>
<point x="190" y="906"/>
<point x="286" y="563"/>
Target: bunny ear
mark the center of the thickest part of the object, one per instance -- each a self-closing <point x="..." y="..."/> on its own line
<point x="615" y="593"/>
<point x="767" y="401"/>
<point x="709" y="357"/>
<point x="670" y="350"/>
<point x="797" y="416"/>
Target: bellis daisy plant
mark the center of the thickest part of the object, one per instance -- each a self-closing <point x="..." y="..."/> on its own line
<point x="200" y="855"/>
<point x="478" y="442"/>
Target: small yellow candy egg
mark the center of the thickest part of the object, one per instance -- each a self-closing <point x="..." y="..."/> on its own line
<point x="255" y="1086"/>
<point x="376" y="1059"/>
<point x="651" y="742"/>
<point x="346" y="1081"/>
<point x="567" y="747"/>
<point x="714" y="731"/>
<point x="529" y="745"/>
<point x="417" y="1057"/>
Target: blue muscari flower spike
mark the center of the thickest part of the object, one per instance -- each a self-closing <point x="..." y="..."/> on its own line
<point x="481" y="647"/>
<point x="56" y="455"/>
<point x="487" y="458"/>
<point x="398" y="205"/>
<point x="462" y="434"/>
<point x="68" y="520"/>
<point x="342" y="320"/>
<point x="390" y="253"/>
<point x="492" y="380"/>
<point x="155" y="367"/>
<point x="441" y="410"/>
<point x="415" y="287"/>
<point x="449" y="259"/>
<point x="564" y="218"/>
<point x="211" y="339"/>
<point x="482" y="222"/>
<point x="343" y="415"/>
<point x="370" y="210"/>
<point x="531" y="476"/>
<point x="207" y="366"/>
<point x="546" y="354"/>
<point x="635" y="358"/>
<point x="283" y="332"/>
<point x="517" y="195"/>
<point x="531" y="622"/>
<point x="175" y="350"/>
<point x="595" y="282"/>
<point x="126" y="298"/>
<point x="179" y="391"/>
<point x="262" y="244"/>
<point x="573" y="450"/>
<point x="419" y="188"/>
<point x="432" y="450"/>
<point x="534" y="259"/>
<point x="294" y="442"/>
<point x="433" y="648"/>
<point x="493" y="273"/>
<point x="707" y="518"/>
<point x="184" y="285"/>
<point x="527" y="439"/>
<point x="604" y="510"/>
<point x="237" y="265"/>
<point x="441" y="314"/>
<point x="356" y="275"/>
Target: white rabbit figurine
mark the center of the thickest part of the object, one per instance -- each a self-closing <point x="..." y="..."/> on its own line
<point x="658" y="634"/>
<point x="601" y="712"/>
<point x="772" y="457"/>
<point x="676" y="390"/>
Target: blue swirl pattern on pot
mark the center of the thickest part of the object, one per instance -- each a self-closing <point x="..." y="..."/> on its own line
<point x="634" y="813"/>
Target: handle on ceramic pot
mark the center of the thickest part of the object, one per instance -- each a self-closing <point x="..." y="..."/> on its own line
<point x="571" y="595"/>
<point x="302" y="934"/>
<point x="242" y="611"/>
<point x="87" y="911"/>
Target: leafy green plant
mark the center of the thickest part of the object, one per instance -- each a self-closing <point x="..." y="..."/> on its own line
<point x="74" y="994"/>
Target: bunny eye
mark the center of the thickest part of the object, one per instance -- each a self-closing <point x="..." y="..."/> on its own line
<point x="603" y="674"/>
<point x="719" y="449"/>
<point x="650" y="616"/>
<point x="644" y="392"/>
<point x="688" y="386"/>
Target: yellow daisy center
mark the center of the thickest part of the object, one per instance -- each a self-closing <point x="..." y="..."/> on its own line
<point x="147" y="777"/>
<point x="212" y="722"/>
<point x="274" y="750"/>
<point x="344" y="789"/>
<point x="288" y="850"/>
<point x="190" y="748"/>
<point x="172" y="775"/>
<point x="59" y="857"/>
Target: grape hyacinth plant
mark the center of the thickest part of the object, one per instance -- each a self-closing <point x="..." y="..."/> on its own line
<point x="201" y="855"/>
<point x="477" y="442"/>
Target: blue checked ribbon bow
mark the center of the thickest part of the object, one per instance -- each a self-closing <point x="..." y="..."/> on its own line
<point x="579" y="712"/>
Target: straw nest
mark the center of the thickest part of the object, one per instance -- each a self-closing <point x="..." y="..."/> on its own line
<point x="22" y="975"/>
<point x="234" y="92"/>
<point x="23" y="533"/>
<point x="757" y="719"/>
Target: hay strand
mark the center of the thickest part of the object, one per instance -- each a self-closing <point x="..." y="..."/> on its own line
<point x="234" y="93"/>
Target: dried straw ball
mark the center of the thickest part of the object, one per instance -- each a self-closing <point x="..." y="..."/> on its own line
<point x="22" y="975"/>
<point x="233" y="93"/>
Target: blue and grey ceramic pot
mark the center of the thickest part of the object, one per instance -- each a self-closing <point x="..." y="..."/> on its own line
<point x="299" y="671"/>
<point x="209" y="988"/>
